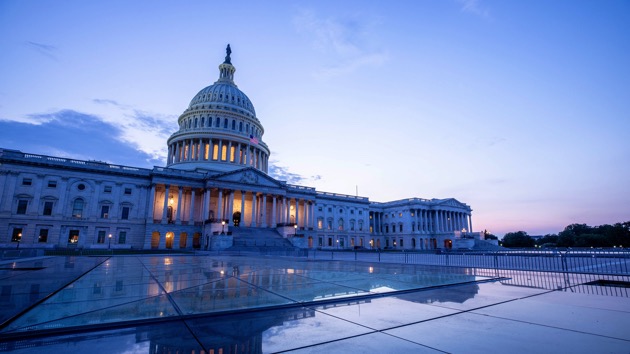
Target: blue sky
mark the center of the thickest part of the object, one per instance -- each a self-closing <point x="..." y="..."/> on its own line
<point x="520" y="109"/>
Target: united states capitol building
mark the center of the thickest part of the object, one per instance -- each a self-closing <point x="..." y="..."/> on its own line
<point x="214" y="193"/>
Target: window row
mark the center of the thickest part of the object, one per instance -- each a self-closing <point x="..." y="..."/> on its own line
<point x="27" y="181"/>
<point x="217" y="122"/>
<point x="120" y="237"/>
<point x="78" y="206"/>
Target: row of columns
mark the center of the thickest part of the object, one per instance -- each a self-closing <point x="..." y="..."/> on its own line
<point x="429" y="221"/>
<point x="204" y="150"/>
<point x="284" y="210"/>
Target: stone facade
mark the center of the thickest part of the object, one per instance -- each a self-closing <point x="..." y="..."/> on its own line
<point x="215" y="183"/>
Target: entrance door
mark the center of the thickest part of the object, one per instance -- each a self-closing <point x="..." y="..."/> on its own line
<point x="169" y="240"/>
<point x="155" y="240"/>
<point x="236" y="218"/>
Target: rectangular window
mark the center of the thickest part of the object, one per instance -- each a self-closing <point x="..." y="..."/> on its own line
<point x="27" y="181"/>
<point x="43" y="236"/>
<point x="52" y="184"/>
<point x="73" y="236"/>
<point x="119" y="285"/>
<point x="100" y="236"/>
<point x="125" y="213"/>
<point x="321" y="242"/>
<point x="104" y="211"/>
<point x="127" y="191"/>
<point x="360" y="212"/>
<point x="48" y="206"/>
<point x="224" y="153"/>
<point x="215" y="151"/>
<point x="107" y="189"/>
<point x="122" y="237"/>
<point x="320" y="224"/>
<point x="22" y="204"/>
<point x="17" y="235"/>
<point x="330" y="242"/>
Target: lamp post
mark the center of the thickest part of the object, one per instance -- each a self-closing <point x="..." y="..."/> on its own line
<point x="295" y="229"/>
<point x="222" y="227"/>
<point x="109" y="245"/>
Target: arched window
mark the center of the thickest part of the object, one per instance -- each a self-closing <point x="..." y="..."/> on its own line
<point x="196" y="121"/>
<point x="240" y="126"/>
<point x="77" y="208"/>
<point x="351" y="225"/>
<point x="340" y="224"/>
<point x="233" y="125"/>
<point x="203" y="121"/>
<point x="225" y="123"/>
<point x="218" y="122"/>
<point x="360" y="225"/>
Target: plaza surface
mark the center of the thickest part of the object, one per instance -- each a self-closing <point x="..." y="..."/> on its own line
<point x="238" y="304"/>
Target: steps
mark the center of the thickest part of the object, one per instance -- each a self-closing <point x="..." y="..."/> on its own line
<point x="258" y="239"/>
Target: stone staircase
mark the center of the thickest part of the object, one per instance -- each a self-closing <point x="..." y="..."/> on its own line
<point x="258" y="239"/>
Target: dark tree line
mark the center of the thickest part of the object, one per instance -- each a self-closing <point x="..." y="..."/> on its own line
<point x="575" y="235"/>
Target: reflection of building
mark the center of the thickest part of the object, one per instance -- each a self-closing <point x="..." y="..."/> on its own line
<point x="215" y="182"/>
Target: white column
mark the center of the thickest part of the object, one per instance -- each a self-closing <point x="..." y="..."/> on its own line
<point x="253" y="223"/>
<point x="165" y="205"/>
<point x="179" y="205"/>
<point x="263" y="205"/>
<point x="274" y="222"/>
<point x="243" y="207"/>
<point x="150" y="216"/>
<point x="220" y="205"/>
<point x="191" y="217"/>
<point x="206" y="204"/>
<point x="297" y="208"/>
<point x="230" y="209"/>
<point x="470" y="222"/>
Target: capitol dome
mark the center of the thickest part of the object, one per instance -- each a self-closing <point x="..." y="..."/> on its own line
<point x="219" y="131"/>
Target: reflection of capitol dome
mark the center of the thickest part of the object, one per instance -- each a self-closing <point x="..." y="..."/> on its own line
<point x="219" y="130"/>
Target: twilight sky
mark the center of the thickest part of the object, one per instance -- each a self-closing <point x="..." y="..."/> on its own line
<point x="520" y="109"/>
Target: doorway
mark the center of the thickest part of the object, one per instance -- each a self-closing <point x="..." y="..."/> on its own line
<point x="236" y="218"/>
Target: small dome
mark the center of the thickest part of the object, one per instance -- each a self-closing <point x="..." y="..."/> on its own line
<point x="224" y="94"/>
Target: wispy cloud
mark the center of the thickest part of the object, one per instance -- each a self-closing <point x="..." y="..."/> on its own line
<point x="474" y="7"/>
<point x="282" y="173"/>
<point x="346" y="42"/>
<point x="73" y="134"/>
<point x="46" y="50"/>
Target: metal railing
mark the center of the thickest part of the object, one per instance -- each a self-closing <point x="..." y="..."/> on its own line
<point x="579" y="261"/>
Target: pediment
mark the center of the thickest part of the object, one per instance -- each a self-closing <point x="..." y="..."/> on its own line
<point x="249" y="176"/>
<point x="452" y="202"/>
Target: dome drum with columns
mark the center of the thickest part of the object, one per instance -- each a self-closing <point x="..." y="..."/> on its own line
<point x="219" y="130"/>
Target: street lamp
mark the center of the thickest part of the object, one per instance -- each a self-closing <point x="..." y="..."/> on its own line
<point x="109" y="245"/>
<point x="222" y="227"/>
<point x="295" y="229"/>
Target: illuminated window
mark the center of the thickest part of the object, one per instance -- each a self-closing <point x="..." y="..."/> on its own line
<point x="206" y="152"/>
<point x="16" y="236"/>
<point x="320" y="223"/>
<point x="232" y="151"/>
<point x="43" y="236"/>
<point x="215" y="151"/>
<point x="224" y="153"/>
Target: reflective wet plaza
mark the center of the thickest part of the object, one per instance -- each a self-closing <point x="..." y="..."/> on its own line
<point x="238" y="304"/>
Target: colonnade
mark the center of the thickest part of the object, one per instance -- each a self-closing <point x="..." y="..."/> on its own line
<point x="424" y="221"/>
<point x="185" y="205"/>
<point x="205" y="149"/>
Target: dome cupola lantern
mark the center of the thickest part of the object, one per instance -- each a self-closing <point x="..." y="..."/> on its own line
<point x="219" y="131"/>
